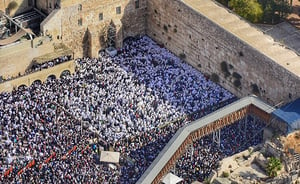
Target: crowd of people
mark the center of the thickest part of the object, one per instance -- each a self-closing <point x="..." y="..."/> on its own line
<point x="48" y="64"/>
<point x="39" y="66"/>
<point x="46" y="128"/>
<point x="203" y="156"/>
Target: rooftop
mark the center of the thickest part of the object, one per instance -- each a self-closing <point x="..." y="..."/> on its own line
<point x="248" y="33"/>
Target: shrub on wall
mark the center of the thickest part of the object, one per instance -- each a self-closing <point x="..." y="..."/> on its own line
<point x="182" y="56"/>
<point x="273" y="166"/>
<point x="237" y="83"/>
<point x="224" y="69"/>
<point x="215" y="78"/>
<point x="225" y="174"/>
<point x="236" y="75"/>
<point x="166" y="28"/>
<point x="255" y="89"/>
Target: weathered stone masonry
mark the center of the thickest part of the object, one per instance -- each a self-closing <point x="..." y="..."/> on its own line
<point x="198" y="40"/>
<point x="205" y="46"/>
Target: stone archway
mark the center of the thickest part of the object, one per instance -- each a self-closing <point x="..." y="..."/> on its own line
<point x="51" y="77"/>
<point x="22" y="86"/>
<point x="37" y="81"/>
<point x="65" y="73"/>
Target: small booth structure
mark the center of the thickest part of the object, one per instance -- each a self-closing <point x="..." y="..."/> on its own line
<point x="110" y="157"/>
<point x="290" y="115"/>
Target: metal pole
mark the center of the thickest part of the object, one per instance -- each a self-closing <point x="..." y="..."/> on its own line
<point x="219" y="137"/>
<point x="245" y="122"/>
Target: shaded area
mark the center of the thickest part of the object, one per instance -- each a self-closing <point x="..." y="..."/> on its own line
<point x="87" y="43"/>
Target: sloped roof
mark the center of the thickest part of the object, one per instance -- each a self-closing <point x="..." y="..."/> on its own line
<point x="290" y="114"/>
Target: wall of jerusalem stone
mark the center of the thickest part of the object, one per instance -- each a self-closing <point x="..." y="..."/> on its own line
<point x="84" y="25"/>
<point x="219" y="54"/>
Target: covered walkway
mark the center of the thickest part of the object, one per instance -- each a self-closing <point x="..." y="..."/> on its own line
<point x="212" y="122"/>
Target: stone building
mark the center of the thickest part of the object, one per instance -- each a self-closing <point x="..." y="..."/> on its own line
<point x="84" y="25"/>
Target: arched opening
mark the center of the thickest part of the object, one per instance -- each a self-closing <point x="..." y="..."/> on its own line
<point x="65" y="73"/>
<point x="22" y="87"/>
<point x="37" y="82"/>
<point x="128" y="39"/>
<point x="51" y="77"/>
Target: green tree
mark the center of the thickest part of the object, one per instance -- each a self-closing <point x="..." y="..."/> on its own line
<point x="249" y="9"/>
<point x="273" y="166"/>
<point x="274" y="10"/>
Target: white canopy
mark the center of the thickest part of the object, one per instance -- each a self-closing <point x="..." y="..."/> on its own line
<point x="110" y="156"/>
<point x="171" y="179"/>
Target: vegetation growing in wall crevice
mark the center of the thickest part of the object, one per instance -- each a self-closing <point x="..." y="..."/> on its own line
<point x="236" y="75"/>
<point x="273" y="166"/>
<point x="175" y="30"/>
<point x="214" y="77"/>
<point x="224" y="69"/>
<point x="166" y="28"/>
<point x="255" y="89"/>
<point x="237" y="83"/>
<point x="182" y="56"/>
<point x="225" y="174"/>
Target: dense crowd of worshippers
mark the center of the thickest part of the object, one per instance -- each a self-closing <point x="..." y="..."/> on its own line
<point x="39" y="66"/>
<point x="46" y="128"/>
<point x="48" y="64"/>
<point x="203" y="155"/>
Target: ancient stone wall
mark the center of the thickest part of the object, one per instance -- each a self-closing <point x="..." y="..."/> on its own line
<point x="46" y="6"/>
<point x="52" y="24"/>
<point x="84" y="24"/>
<point x="214" y="51"/>
<point x="41" y="76"/>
